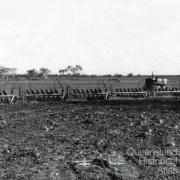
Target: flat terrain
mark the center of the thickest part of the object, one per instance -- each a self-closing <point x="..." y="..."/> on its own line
<point x="49" y="141"/>
<point x="84" y="83"/>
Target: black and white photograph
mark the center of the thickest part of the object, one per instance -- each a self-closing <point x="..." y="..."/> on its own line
<point x="89" y="90"/>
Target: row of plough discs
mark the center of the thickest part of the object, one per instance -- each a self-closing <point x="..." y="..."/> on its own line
<point x="86" y="94"/>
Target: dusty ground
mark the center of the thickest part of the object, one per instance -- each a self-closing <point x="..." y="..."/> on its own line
<point x="87" y="141"/>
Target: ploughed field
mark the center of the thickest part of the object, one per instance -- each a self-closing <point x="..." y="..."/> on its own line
<point x="128" y="140"/>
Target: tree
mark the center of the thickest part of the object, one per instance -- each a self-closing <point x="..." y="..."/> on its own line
<point x="75" y="69"/>
<point x="70" y="68"/>
<point x="44" y="72"/>
<point x="78" y="68"/>
<point x="118" y="75"/>
<point x="130" y="75"/>
<point x="32" y="73"/>
<point x="62" y="71"/>
<point x="13" y="72"/>
<point x="5" y="72"/>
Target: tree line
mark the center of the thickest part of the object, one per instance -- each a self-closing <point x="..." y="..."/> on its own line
<point x="44" y="72"/>
<point x="6" y="73"/>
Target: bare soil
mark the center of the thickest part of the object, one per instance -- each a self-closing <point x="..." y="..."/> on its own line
<point x="87" y="141"/>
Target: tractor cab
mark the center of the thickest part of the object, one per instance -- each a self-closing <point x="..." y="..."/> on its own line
<point x="154" y="82"/>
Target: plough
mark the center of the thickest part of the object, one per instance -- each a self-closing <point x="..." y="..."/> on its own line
<point x="132" y="94"/>
<point x="87" y="95"/>
<point x="82" y="95"/>
<point x="152" y="89"/>
<point x="8" y="98"/>
<point x="43" y="96"/>
<point x="171" y="93"/>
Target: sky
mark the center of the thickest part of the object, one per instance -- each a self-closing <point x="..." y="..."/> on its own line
<point x="103" y="36"/>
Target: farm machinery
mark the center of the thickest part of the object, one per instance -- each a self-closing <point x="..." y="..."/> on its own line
<point x="7" y="97"/>
<point x="153" y="88"/>
<point x="64" y="94"/>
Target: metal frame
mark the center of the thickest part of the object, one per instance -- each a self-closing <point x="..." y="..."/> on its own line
<point x="8" y="98"/>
